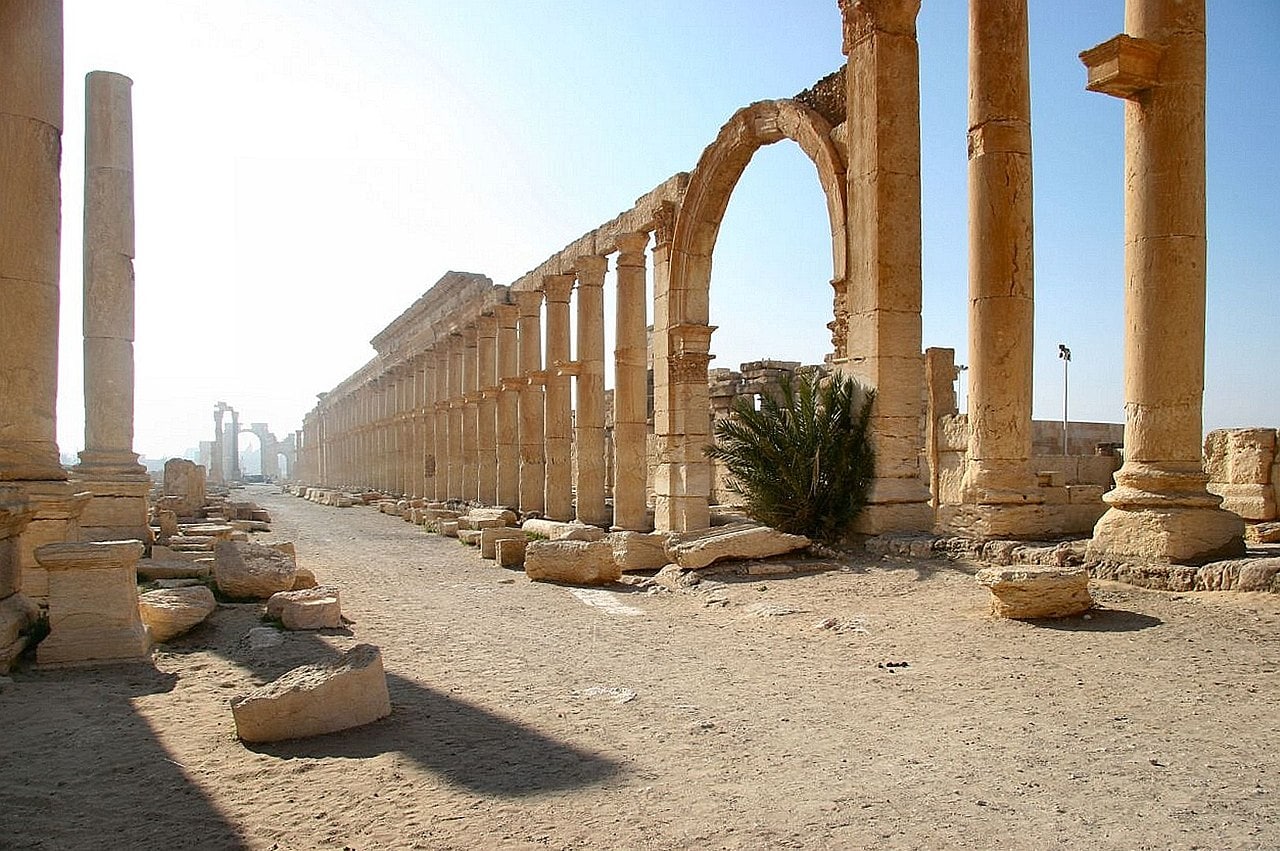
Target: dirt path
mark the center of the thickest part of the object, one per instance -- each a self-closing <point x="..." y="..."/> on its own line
<point x="530" y="716"/>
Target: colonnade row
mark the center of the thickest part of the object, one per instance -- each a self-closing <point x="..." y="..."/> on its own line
<point x="865" y="144"/>
<point x="479" y="405"/>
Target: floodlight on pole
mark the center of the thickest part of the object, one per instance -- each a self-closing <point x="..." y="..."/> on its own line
<point x="1065" y="354"/>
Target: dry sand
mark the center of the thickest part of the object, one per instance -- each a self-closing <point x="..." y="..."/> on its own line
<point x="528" y="716"/>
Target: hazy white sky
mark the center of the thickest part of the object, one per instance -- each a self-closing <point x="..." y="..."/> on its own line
<point x="305" y="169"/>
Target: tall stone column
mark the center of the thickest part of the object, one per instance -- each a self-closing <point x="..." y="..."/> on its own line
<point x="630" y="394"/>
<point x="1160" y="509"/>
<point x="413" y="462"/>
<point x="109" y="467"/>
<point x="233" y="442"/>
<point x="589" y="417"/>
<point x="559" y="401"/>
<point x="470" y="412"/>
<point x="457" y="354"/>
<point x="508" y="407"/>
<point x="486" y="408"/>
<point x="427" y="457"/>
<point x="884" y="292"/>
<point x="441" y="406"/>
<point x="30" y="215"/>
<point x="999" y="493"/>
<point x="217" y="467"/>
<point x="533" y="465"/>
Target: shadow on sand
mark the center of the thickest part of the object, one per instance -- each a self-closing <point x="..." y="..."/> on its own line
<point x="1100" y="620"/>
<point x="99" y="779"/>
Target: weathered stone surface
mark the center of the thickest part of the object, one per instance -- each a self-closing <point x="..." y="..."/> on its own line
<point x="469" y="536"/>
<point x="171" y="568"/>
<point x="639" y="550"/>
<point x="490" y="536"/>
<point x="1240" y="456"/>
<point x="555" y="530"/>
<point x="173" y="611"/>
<point x="1252" y="502"/>
<point x="315" y="699"/>
<point x="250" y="526"/>
<point x="1178" y="535"/>
<point x="1249" y="574"/>
<point x="481" y="518"/>
<point x="93" y="603"/>
<point x="1262" y="533"/>
<point x="303" y="579"/>
<point x="575" y="562"/>
<point x="509" y="552"/>
<point x="1037" y="591"/>
<point x="310" y="608"/>
<point x="17" y="614"/>
<point x="673" y="577"/>
<point x="252" y="571"/>
<point x="447" y="528"/>
<point x="736" y="541"/>
<point x="184" y="481"/>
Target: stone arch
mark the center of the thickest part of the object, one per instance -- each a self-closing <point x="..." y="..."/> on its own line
<point x="717" y="173"/>
<point x="682" y="333"/>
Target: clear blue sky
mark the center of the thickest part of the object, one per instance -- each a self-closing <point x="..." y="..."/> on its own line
<point x="306" y="169"/>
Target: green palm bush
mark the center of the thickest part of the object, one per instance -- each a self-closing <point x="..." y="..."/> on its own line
<point x="803" y="462"/>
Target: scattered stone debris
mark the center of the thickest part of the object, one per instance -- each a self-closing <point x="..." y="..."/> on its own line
<point x="169" y="612"/>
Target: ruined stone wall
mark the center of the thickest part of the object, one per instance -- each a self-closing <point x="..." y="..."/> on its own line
<point x="1243" y="469"/>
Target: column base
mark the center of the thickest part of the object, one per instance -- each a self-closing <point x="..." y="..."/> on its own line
<point x="93" y="604"/>
<point x="98" y="465"/>
<point x="117" y="511"/>
<point x="1025" y="522"/>
<point x="896" y="505"/>
<point x="1177" y="535"/>
<point x="681" y="513"/>
<point x="57" y="508"/>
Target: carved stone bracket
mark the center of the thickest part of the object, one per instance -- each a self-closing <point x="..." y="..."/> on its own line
<point x="1123" y="66"/>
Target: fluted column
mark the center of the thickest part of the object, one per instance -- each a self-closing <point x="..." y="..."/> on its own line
<point x="486" y="408"/>
<point x="559" y="410"/>
<point x="999" y="493"/>
<point x="589" y="414"/>
<point x="508" y="406"/>
<point x="1160" y="509"/>
<point x="532" y="457"/>
<point x="884" y="292"/>
<point x="630" y="393"/>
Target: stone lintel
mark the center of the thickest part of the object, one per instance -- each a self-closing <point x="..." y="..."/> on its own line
<point x="1123" y="66"/>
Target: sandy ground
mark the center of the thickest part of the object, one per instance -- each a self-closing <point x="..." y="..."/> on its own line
<point x="528" y="716"/>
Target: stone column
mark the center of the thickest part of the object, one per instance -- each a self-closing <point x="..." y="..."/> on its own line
<point x="470" y="413"/>
<point x="30" y="216"/>
<point x="630" y="394"/>
<point x="486" y="407"/>
<point x="217" y="468"/>
<point x="533" y="465"/>
<point x="233" y="442"/>
<point x="441" y="406"/>
<point x="559" y="402"/>
<point x="109" y="467"/>
<point x="1160" y="509"/>
<point x="427" y="458"/>
<point x="589" y="418"/>
<point x="884" y="289"/>
<point x="457" y="354"/>
<point x="508" y="407"/>
<point x="999" y="492"/>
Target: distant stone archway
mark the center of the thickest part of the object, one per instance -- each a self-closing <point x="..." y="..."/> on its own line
<point x="682" y="333"/>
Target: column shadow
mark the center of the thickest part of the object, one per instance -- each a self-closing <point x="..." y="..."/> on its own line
<point x="82" y="769"/>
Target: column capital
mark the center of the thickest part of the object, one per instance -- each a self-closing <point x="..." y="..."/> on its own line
<point x="468" y="334"/>
<point x="558" y="288"/>
<point x="590" y="269"/>
<point x="506" y="315"/>
<point x="631" y="248"/>
<point x="528" y="302"/>
<point x="487" y="326"/>
<point x="863" y="17"/>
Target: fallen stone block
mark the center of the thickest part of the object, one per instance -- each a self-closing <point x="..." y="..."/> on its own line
<point x="173" y="611"/>
<point x="310" y="608"/>
<point x="469" y="536"/>
<point x="250" y="526"/>
<point x="489" y="538"/>
<point x="639" y="550"/>
<point x="555" y="530"/>
<point x="252" y="571"/>
<point x="574" y="562"/>
<point x="1037" y="591"/>
<point x="315" y="699"/>
<point x="509" y="552"/>
<point x="1246" y="574"/>
<point x="486" y="518"/>
<point x="737" y="541"/>
<point x="447" y="528"/>
<point x="303" y="579"/>
<point x="150" y="569"/>
<point x="1262" y="533"/>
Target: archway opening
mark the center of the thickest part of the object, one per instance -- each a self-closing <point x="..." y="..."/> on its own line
<point x="250" y="456"/>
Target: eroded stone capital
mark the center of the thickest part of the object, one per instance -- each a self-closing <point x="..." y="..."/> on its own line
<point x="558" y="288"/>
<point x="528" y="302"/>
<point x="631" y="248"/>
<point x="861" y="18"/>
<point x="590" y="269"/>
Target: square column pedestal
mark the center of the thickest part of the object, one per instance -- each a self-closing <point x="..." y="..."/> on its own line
<point x="117" y="511"/>
<point x="93" y="603"/>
